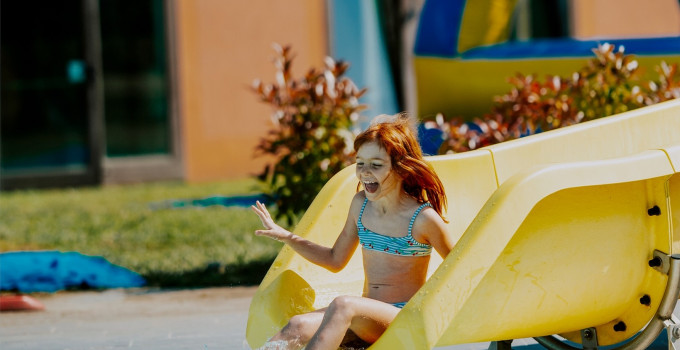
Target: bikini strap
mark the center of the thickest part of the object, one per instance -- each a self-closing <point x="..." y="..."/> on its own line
<point x="361" y="213"/>
<point x="413" y="218"/>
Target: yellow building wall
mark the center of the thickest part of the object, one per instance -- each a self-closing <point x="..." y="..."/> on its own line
<point x="222" y="46"/>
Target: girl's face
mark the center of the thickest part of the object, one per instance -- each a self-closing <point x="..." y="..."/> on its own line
<point x="374" y="170"/>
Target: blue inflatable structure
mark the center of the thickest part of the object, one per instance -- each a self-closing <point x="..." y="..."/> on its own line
<point x="50" y="271"/>
<point x="463" y="55"/>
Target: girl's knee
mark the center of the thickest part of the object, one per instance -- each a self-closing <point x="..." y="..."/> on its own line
<point x="298" y="323"/>
<point x="343" y="306"/>
<point x="302" y="327"/>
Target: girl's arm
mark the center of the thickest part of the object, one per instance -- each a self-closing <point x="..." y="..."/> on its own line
<point x="333" y="259"/>
<point x="435" y="231"/>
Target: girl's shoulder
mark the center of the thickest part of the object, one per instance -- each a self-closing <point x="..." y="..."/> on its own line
<point x="356" y="204"/>
<point x="428" y="213"/>
<point x="427" y="219"/>
<point x="359" y="197"/>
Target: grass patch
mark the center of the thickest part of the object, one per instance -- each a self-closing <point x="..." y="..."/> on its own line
<point x="190" y="247"/>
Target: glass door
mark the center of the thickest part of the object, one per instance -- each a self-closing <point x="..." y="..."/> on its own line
<point x="45" y="120"/>
<point x="134" y="65"/>
<point x="85" y="93"/>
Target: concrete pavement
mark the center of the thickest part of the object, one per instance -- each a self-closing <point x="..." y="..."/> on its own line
<point x="213" y="318"/>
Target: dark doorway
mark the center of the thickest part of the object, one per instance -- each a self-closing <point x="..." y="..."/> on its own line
<point x="82" y="81"/>
<point x="45" y="126"/>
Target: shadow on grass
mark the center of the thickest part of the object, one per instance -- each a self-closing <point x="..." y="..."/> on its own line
<point x="214" y="275"/>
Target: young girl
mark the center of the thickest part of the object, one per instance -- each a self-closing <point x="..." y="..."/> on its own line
<point x="397" y="219"/>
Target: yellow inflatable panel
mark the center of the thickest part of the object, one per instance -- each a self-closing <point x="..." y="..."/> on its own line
<point x="466" y="87"/>
<point x="495" y="28"/>
<point x="553" y="232"/>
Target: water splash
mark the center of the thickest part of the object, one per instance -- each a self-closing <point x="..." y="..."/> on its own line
<point x="294" y="344"/>
<point x="281" y="345"/>
<point x="284" y="345"/>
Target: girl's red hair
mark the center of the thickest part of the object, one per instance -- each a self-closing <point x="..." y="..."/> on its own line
<point x="396" y="135"/>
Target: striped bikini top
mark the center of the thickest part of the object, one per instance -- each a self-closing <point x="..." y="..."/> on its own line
<point x="405" y="245"/>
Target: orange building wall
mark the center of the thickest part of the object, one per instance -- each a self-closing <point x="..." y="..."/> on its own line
<point x="624" y="18"/>
<point x="222" y="46"/>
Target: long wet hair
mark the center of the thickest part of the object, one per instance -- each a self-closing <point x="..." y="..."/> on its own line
<point x="397" y="136"/>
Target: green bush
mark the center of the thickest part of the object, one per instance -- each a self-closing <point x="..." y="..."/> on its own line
<point x="608" y="84"/>
<point x="312" y="139"/>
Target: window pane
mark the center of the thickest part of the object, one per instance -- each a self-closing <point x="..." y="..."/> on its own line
<point x="135" y="79"/>
<point x="44" y="87"/>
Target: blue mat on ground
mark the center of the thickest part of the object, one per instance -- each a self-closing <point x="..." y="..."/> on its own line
<point x="225" y="201"/>
<point x="50" y="271"/>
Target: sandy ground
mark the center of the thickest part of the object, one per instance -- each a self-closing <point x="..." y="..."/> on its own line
<point x="200" y="319"/>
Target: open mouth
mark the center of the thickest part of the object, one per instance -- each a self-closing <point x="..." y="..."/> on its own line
<point x="370" y="187"/>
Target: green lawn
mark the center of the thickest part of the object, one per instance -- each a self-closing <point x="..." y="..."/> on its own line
<point x="190" y="247"/>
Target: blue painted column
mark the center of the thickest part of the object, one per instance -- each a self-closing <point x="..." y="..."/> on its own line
<point x="356" y="37"/>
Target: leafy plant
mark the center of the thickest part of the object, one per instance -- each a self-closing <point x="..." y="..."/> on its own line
<point x="530" y="107"/>
<point x="312" y="135"/>
<point x="608" y="84"/>
<point x="668" y="86"/>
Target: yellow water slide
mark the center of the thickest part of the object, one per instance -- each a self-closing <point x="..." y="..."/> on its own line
<point x="558" y="233"/>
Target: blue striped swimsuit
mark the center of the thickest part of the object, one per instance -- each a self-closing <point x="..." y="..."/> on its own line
<point x="400" y="305"/>
<point x="406" y="246"/>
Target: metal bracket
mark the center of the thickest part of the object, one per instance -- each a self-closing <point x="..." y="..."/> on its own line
<point x="672" y="326"/>
<point x="660" y="262"/>
<point x="501" y="345"/>
<point x="589" y="338"/>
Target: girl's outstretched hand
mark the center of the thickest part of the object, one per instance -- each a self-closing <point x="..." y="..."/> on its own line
<point x="272" y="229"/>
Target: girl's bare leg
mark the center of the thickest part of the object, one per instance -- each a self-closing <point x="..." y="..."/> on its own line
<point x="367" y="318"/>
<point x="297" y="332"/>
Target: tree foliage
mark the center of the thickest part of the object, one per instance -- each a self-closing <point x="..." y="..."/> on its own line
<point x="311" y="138"/>
<point x="608" y="84"/>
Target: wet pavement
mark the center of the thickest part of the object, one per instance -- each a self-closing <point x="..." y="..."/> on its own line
<point x="213" y="318"/>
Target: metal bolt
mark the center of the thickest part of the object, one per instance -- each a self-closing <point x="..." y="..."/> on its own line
<point x="675" y="331"/>
<point x="587" y="334"/>
<point x="654" y="211"/>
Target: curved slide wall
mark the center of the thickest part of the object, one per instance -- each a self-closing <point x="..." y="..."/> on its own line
<point x="553" y="236"/>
